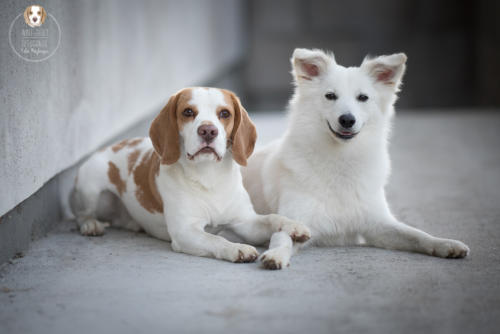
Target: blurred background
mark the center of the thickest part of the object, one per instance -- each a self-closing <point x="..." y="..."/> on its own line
<point x="453" y="47"/>
<point x="119" y="61"/>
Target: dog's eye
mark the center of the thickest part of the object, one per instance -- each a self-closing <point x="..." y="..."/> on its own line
<point x="188" y="112"/>
<point x="38" y="13"/>
<point x="362" y="97"/>
<point x="31" y="13"/>
<point x="331" y="96"/>
<point x="224" y="113"/>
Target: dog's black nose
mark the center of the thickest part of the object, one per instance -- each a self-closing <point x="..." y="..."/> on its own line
<point x="347" y="120"/>
<point x="35" y="19"/>
<point x="208" y="132"/>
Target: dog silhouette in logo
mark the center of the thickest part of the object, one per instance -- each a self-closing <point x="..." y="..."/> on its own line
<point x="34" y="16"/>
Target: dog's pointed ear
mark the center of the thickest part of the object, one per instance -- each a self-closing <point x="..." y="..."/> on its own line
<point x="386" y="70"/>
<point x="309" y="64"/>
<point x="244" y="134"/>
<point x="164" y="132"/>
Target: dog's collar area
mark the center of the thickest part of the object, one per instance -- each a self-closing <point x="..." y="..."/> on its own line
<point x="345" y="136"/>
<point x="206" y="149"/>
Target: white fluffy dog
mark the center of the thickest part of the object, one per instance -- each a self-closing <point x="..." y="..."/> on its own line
<point x="330" y="168"/>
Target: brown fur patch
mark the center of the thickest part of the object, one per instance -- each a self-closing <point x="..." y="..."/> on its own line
<point x="132" y="159"/>
<point x="115" y="178"/>
<point x="227" y="122"/>
<point x="164" y="131"/>
<point x="126" y="142"/>
<point x="144" y="177"/>
<point x="119" y="146"/>
<point x="134" y="142"/>
<point x="183" y="104"/>
<point x="244" y="134"/>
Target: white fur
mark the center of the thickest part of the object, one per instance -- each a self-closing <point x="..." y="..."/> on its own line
<point x="198" y="193"/>
<point x="336" y="186"/>
<point x="207" y="101"/>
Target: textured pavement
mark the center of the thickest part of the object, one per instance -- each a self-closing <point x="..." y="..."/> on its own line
<point x="445" y="180"/>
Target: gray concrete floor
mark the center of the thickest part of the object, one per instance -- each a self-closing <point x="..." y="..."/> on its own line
<point x="446" y="180"/>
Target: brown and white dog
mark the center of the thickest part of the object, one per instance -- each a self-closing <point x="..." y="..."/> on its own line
<point x="182" y="180"/>
<point x="34" y="16"/>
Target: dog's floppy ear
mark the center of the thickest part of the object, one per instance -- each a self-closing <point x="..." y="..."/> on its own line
<point x="26" y="18"/>
<point x="164" y="132"/>
<point x="44" y="15"/>
<point x="386" y="70"/>
<point x="244" y="134"/>
<point x="309" y="64"/>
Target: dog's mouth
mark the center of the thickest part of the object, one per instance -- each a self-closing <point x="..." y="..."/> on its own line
<point x="205" y="150"/>
<point x="346" y="135"/>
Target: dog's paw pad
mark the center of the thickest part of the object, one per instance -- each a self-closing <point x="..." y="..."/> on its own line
<point x="451" y="249"/>
<point x="270" y="264"/>
<point x="300" y="237"/>
<point x="298" y="232"/>
<point x="93" y="228"/>
<point x="245" y="254"/>
<point x="275" y="259"/>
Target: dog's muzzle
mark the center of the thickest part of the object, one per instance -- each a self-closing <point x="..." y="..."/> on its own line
<point x="205" y="150"/>
<point x="346" y="135"/>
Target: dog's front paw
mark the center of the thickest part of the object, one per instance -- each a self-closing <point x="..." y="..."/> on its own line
<point x="241" y="253"/>
<point x="276" y="258"/>
<point x="93" y="227"/>
<point x="448" y="248"/>
<point x="297" y="231"/>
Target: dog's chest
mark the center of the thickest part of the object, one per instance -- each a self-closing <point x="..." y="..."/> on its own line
<point x="340" y="178"/>
<point x="339" y="215"/>
<point x="341" y="189"/>
<point x="212" y="203"/>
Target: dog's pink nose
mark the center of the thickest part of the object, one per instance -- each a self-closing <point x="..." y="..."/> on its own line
<point x="208" y="132"/>
<point x="35" y="19"/>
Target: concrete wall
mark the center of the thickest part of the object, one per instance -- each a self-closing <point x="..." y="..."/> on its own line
<point x="118" y="62"/>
